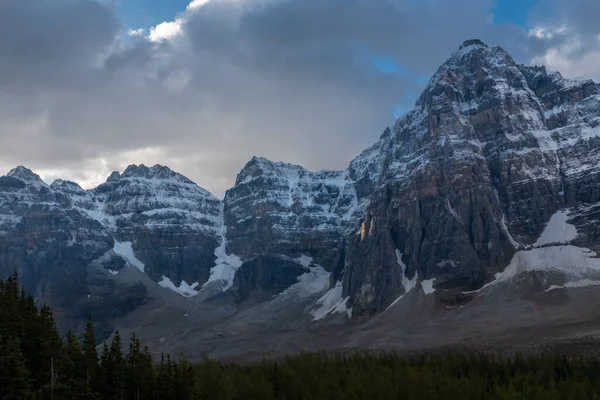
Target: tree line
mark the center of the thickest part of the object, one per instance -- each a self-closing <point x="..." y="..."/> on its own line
<point x="37" y="363"/>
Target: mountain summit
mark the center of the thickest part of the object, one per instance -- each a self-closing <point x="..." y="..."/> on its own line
<point x="491" y="179"/>
<point x="27" y="176"/>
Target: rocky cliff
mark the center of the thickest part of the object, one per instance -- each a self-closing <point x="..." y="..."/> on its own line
<point x="446" y="198"/>
<point x="473" y="173"/>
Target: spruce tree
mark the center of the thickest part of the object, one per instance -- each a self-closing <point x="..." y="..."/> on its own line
<point x="90" y="356"/>
<point x="183" y="379"/>
<point x="104" y="374"/>
<point x="116" y="356"/>
<point x="47" y="369"/>
<point x="74" y="383"/>
<point x="133" y="369"/>
<point x="111" y="370"/>
<point x="165" y="378"/>
<point x="14" y="377"/>
<point x="147" y="375"/>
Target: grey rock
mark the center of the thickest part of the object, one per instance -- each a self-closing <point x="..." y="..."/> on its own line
<point x="282" y="209"/>
<point x="491" y="151"/>
<point x="264" y="277"/>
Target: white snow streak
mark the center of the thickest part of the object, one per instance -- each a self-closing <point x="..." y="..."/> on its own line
<point x="184" y="289"/>
<point x="575" y="284"/>
<point x="557" y="230"/>
<point x="507" y="232"/>
<point x="407" y="284"/>
<point x="226" y="264"/>
<point x="125" y="250"/>
<point x="332" y="302"/>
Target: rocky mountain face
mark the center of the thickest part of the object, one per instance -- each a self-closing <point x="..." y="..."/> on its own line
<point x="278" y="209"/>
<point x="67" y="243"/>
<point x="472" y="174"/>
<point x="444" y="201"/>
<point x="173" y="224"/>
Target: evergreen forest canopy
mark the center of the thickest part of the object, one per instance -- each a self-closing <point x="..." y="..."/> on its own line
<point x="36" y="363"/>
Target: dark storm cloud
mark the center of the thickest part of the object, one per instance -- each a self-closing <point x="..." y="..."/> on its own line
<point x="291" y="80"/>
<point x="52" y="42"/>
<point x="321" y="38"/>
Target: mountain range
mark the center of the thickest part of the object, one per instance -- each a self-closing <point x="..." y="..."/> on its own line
<point x="474" y="219"/>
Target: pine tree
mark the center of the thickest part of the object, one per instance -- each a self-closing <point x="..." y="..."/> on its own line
<point x="111" y="370"/>
<point x="116" y="355"/>
<point x="74" y="384"/>
<point x="103" y="374"/>
<point x="9" y="312"/>
<point x="90" y="356"/>
<point x="147" y="375"/>
<point x="139" y="372"/>
<point x="48" y="368"/>
<point x="183" y="379"/>
<point x="165" y="378"/>
<point x="14" y="377"/>
<point x="133" y="369"/>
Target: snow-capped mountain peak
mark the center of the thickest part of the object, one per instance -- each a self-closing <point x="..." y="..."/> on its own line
<point x="27" y="176"/>
<point x="67" y="186"/>
<point x="155" y="172"/>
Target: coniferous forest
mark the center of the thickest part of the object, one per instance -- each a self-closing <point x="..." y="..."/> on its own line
<point x="37" y="363"/>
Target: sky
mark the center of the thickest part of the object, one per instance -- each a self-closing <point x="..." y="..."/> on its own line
<point x="90" y="86"/>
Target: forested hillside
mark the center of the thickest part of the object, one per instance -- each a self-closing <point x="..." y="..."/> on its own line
<point x="36" y="363"/>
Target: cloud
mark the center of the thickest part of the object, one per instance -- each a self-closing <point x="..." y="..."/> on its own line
<point x="568" y="38"/>
<point x="137" y="32"/>
<point x="38" y="39"/>
<point x="305" y="81"/>
<point x="195" y="4"/>
<point x="165" y="31"/>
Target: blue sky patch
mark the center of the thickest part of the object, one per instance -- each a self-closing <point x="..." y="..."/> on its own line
<point x="385" y="65"/>
<point x="515" y="11"/>
<point x="148" y="13"/>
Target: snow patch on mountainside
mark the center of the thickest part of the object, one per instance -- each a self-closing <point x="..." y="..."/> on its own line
<point x="556" y="254"/>
<point x="407" y="284"/>
<point x="427" y="286"/>
<point x="575" y="284"/>
<point x="125" y="250"/>
<point x="183" y="289"/>
<point x="314" y="280"/>
<point x="303" y="260"/>
<point x="332" y="302"/>
<point x="557" y="230"/>
<point x="225" y="266"/>
<point x="568" y="259"/>
<point x="107" y="221"/>
<point x="574" y="262"/>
